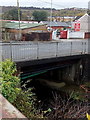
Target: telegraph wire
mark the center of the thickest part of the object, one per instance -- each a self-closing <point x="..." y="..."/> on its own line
<point x="52" y="3"/>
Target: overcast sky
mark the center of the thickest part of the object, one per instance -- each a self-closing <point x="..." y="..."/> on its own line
<point x="46" y="3"/>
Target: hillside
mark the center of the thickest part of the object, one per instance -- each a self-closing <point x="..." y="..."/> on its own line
<point x="61" y="12"/>
<point x="27" y="11"/>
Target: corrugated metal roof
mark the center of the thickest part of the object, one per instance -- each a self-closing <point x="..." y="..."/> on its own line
<point x="13" y="25"/>
<point x="63" y="24"/>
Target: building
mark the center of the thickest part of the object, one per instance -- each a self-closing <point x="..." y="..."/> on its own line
<point x="15" y="30"/>
<point x="61" y="18"/>
<point x="59" y="29"/>
<point x="82" y="26"/>
<point x="57" y="25"/>
<point x="84" y="23"/>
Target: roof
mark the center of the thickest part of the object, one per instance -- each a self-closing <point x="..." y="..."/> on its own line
<point x="84" y="18"/>
<point x="56" y="24"/>
<point x="15" y="25"/>
<point x="77" y="18"/>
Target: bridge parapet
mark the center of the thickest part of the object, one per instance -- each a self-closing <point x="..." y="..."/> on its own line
<point x="24" y="51"/>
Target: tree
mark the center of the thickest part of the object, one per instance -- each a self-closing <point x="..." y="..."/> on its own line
<point x="88" y="12"/>
<point x="12" y="14"/>
<point x="40" y="15"/>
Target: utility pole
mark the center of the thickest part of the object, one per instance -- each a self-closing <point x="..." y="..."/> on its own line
<point x="19" y="18"/>
<point x="51" y="10"/>
<point x="51" y="15"/>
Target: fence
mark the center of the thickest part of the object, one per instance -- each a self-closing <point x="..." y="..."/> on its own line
<point x="23" y="51"/>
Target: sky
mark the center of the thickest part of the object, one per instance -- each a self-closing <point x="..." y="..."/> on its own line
<point x="58" y="4"/>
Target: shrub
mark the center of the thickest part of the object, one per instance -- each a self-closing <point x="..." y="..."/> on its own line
<point x="25" y="102"/>
<point x="9" y="81"/>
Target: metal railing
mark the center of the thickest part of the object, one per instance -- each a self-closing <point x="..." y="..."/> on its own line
<point x="23" y="51"/>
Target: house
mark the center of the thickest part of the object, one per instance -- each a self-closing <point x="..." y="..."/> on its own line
<point x="84" y="23"/>
<point x="82" y="26"/>
<point x="15" y="30"/>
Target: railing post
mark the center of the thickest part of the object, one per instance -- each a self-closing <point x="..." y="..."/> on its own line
<point x="85" y="47"/>
<point x="71" y="49"/>
<point x="82" y="49"/>
<point x="11" y="51"/>
<point x="56" y="49"/>
<point x="37" y="50"/>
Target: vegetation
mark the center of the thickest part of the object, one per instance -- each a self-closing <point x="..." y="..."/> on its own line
<point x="11" y="14"/>
<point x="11" y="90"/>
<point x="27" y="12"/>
<point x="71" y="12"/>
<point x="40" y="15"/>
<point x="10" y="82"/>
<point x="88" y="12"/>
<point x="25" y="102"/>
<point x="67" y="108"/>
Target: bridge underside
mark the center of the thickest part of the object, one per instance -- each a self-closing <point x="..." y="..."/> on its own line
<point x="36" y="67"/>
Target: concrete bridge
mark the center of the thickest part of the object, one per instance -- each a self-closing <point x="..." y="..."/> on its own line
<point x="33" y="58"/>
